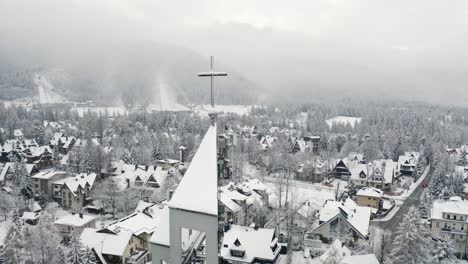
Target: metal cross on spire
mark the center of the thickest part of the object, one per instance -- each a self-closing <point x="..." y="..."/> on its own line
<point x="212" y="74"/>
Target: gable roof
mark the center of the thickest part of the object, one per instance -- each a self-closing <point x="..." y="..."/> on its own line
<point x="257" y="244"/>
<point x="357" y="216"/>
<point x="80" y="181"/>
<point x="106" y="242"/>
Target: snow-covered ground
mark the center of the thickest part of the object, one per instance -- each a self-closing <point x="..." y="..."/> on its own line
<point x="203" y="110"/>
<point x="344" y="120"/>
<point x="166" y="107"/>
<point x="112" y="111"/>
<point x="300" y="193"/>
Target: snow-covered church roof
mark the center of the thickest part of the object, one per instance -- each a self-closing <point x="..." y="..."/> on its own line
<point x="197" y="190"/>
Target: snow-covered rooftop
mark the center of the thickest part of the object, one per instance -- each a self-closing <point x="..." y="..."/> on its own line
<point x="49" y="174"/>
<point x="109" y="243"/>
<point x="144" y="221"/>
<point x="75" y="220"/>
<point x="449" y="207"/>
<point x="256" y="243"/>
<point x="370" y="192"/>
<point x="357" y="216"/>
<point x="197" y="190"/>
<point x="360" y="259"/>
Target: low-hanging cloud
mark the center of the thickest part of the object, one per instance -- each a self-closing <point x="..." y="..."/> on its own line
<point x="411" y="50"/>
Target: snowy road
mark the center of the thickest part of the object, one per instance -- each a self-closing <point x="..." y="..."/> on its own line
<point x="412" y="200"/>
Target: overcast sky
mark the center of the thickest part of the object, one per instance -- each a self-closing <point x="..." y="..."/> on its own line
<point x="416" y="49"/>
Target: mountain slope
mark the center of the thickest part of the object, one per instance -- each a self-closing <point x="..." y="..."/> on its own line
<point x="131" y="72"/>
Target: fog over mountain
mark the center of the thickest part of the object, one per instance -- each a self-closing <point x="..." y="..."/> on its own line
<point x="310" y="50"/>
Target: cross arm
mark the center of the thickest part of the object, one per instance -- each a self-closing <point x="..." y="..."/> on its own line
<point x="211" y="73"/>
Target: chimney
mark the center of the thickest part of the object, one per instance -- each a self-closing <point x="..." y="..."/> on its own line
<point x="170" y="193"/>
<point x="81" y="215"/>
<point x="182" y="154"/>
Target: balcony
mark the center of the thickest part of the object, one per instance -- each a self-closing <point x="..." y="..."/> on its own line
<point x="138" y="256"/>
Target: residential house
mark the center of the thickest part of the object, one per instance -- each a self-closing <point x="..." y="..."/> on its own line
<point x="7" y="173"/>
<point x="449" y="221"/>
<point x="115" y="245"/>
<point x="379" y="174"/>
<point x="305" y="215"/>
<point x="76" y="191"/>
<point x="237" y="198"/>
<point x="249" y="131"/>
<point x="407" y="164"/>
<point x="314" y="143"/>
<point x="31" y="218"/>
<point x="40" y="156"/>
<point x="235" y="204"/>
<point x="345" y="214"/>
<point x="167" y="164"/>
<point x="140" y="176"/>
<point x="143" y="222"/>
<point x="43" y="182"/>
<point x="370" y="197"/>
<point x="300" y="145"/>
<point x="74" y="221"/>
<point x="266" y="142"/>
<point x="241" y="244"/>
<point x="64" y="143"/>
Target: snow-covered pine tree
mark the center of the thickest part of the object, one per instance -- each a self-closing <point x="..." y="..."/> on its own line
<point x="425" y="203"/>
<point x="157" y="154"/>
<point x="23" y="182"/>
<point x="56" y="157"/>
<point x="438" y="181"/>
<point x="85" y="163"/>
<point x="458" y="185"/>
<point x="410" y="246"/>
<point x="76" y="251"/>
<point x="90" y="257"/>
<point x="443" y="252"/>
<point x="127" y="157"/>
<point x="11" y="252"/>
<point x="46" y="239"/>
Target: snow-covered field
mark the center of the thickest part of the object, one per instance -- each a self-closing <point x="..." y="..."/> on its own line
<point x="165" y="107"/>
<point x="300" y="193"/>
<point x="344" y="120"/>
<point x="112" y="111"/>
<point x="231" y="109"/>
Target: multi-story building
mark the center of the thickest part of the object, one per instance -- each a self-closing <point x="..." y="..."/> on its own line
<point x="407" y="164"/>
<point x="369" y="197"/>
<point x="449" y="221"/>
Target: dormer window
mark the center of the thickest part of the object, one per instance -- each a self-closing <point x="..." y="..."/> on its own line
<point x="237" y="253"/>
